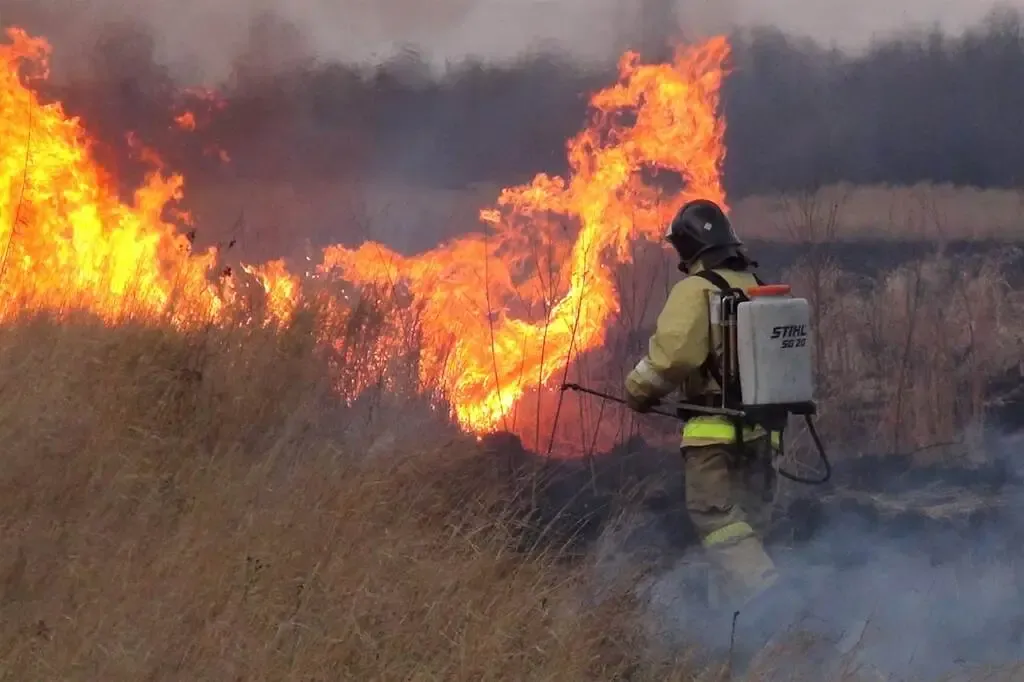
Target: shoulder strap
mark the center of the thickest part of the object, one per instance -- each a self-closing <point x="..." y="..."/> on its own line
<point x="718" y="281"/>
<point x="709" y="367"/>
<point x="715" y="279"/>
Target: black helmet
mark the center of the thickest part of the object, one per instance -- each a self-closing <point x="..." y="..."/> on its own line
<point x="700" y="227"/>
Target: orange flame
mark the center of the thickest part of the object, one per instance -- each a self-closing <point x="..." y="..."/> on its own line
<point x="502" y="311"/>
<point x="65" y="237"/>
<point x="211" y="103"/>
<point x="560" y="284"/>
<point x="281" y="288"/>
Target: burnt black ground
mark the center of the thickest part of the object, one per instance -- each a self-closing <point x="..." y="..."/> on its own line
<point x="913" y="571"/>
<point x="888" y="494"/>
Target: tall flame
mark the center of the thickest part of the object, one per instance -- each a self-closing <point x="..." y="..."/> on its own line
<point x="656" y="117"/>
<point x="504" y="310"/>
<point x="65" y="236"/>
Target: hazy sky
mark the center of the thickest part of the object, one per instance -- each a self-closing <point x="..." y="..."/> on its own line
<point x="503" y="27"/>
<point x="854" y="22"/>
<point x="506" y="28"/>
<point x="204" y="35"/>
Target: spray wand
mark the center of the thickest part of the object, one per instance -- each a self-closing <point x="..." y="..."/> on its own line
<point x="682" y="408"/>
<point x="675" y="415"/>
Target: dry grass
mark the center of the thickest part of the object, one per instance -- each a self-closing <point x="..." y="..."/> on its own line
<point x="197" y="506"/>
<point x="925" y="212"/>
<point x="192" y="507"/>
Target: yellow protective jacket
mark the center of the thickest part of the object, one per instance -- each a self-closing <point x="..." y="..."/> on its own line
<point x="680" y="345"/>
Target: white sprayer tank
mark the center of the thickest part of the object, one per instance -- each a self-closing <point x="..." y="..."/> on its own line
<point x="773" y="349"/>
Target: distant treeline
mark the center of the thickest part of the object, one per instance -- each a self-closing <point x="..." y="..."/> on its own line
<point x="921" y="107"/>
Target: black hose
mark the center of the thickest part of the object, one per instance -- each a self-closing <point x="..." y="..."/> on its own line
<point x="821" y="454"/>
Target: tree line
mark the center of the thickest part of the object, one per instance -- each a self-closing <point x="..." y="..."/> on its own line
<point x="926" y="106"/>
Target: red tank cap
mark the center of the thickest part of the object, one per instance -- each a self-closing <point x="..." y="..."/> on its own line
<point x="769" y="290"/>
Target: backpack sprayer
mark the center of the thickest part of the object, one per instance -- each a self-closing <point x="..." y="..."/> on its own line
<point x="764" y="369"/>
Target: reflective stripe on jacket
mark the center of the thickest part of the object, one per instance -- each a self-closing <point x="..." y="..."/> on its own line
<point x="717" y="430"/>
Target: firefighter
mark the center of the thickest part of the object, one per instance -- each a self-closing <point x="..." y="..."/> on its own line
<point x="726" y="498"/>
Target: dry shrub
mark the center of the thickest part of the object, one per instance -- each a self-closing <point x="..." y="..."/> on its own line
<point x="908" y="358"/>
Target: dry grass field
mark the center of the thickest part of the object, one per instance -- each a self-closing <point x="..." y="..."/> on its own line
<point x="200" y="506"/>
<point x="196" y="507"/>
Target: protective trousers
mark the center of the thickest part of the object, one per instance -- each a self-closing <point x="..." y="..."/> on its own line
<point x="729" y="502"/>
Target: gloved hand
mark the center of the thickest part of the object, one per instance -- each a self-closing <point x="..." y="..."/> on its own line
<point x="638" y="404"/>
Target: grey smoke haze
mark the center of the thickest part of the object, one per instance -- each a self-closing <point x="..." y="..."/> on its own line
<point x="200" y="38"/>
<point x="901" y="583"/>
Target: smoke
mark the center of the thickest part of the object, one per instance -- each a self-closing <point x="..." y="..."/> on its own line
<point x="199" y="40"/>
<point x="853" y="26"/>
<point x="911" y="581"/>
